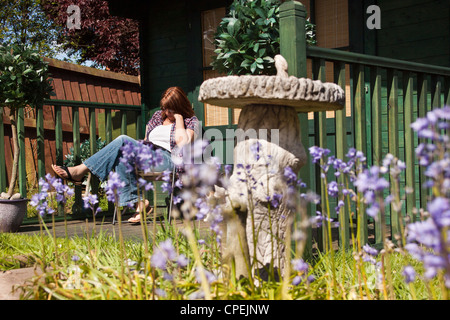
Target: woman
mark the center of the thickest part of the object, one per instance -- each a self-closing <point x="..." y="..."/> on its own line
<point x="170" y="128"/>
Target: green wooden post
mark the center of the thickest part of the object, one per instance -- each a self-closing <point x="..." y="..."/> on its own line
<point x="293" y="49"/>
<point x="123" y="124"/>
<point x="447" y="91"/>
<point x="341" y="151"/>
<point x="375" y="90"/>
<point x="320" y="139"/>
<point x="59" y="146"/>
<point x="22" y="181"/>
<point x="40" y="141"/>
<point x="359" y="117"/>
<point x="77" y="207"/>
<point x="93" y="146"/>
<point x="2" y="154"/>
<point x="393" y="128"/>
<point x="422" y="97"/>
<point x="408" y="110"/>
<point x="108" y="138"/>
<point x="436" y="86"/>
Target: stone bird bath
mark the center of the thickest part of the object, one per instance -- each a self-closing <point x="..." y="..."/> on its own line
<point x="268" y="120"/>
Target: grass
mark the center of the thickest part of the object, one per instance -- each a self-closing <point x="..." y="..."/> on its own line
<point x="95" y="268"/>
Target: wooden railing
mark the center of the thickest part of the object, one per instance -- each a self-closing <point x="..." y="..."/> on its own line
<point x="384" y="97"/>
<point x="93" y="111"/>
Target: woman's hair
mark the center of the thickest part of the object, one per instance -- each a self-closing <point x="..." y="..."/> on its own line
<point x="176" y="100"/>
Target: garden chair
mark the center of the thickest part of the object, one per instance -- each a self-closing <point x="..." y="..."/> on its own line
<point x="153" y="176"/>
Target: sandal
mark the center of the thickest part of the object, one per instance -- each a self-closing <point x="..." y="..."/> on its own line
<point x="136" y="218"/>
<point x="69" y="176"/>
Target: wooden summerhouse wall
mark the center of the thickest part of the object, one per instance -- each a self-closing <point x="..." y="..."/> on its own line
<point x="415" y="30"/>
<point x="77" y="83"/>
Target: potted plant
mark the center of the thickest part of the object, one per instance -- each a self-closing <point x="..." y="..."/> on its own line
<point x="248" y="38"/>
<point x="23" y="81"/>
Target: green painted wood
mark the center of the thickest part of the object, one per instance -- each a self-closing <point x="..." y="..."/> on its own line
<point x="123" y="125"/>
<point x="88" y="104"/>
<point x="422" y="101"/>
<point x="393" y="130"/>
<point x="293" y="49"/>
<point x="2" y="155"/>
<point x="408" y="114"/>
<point x="359" y="116"/>
<point x="93" y="147"/>
<point x="59" y="158"/>
<point x="446" y="91"/>
<point x="22" y="178"/>
<point x="58" y="136"/>
<point x="375" y="61"/>
<point x="40" y="141"/>
<point x="320" y="138"/>
<point x="375" y="90"/>
<point x="341" y="151"/>
<point x="108" y="126"/>
<point x="77" y="206"/>
<point x="436" y="88"/>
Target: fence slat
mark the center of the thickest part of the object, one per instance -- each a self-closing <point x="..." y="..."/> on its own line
<point x="408" y="110"/>
<point x="341" y="151"/>
<point x="393" y="128"/>
<point x="94" y="182"/>
<point x="22" y="178"/>
<point x="359" y="116"/>
<point x="320" y="139"/>
<point x="422" y="97"/>
<point x="375" y="90"/>
<point x="40" y="143"/>
<point x="123" y="126"/>
<point x="76" y="156"/>
<point x="2" y="154"/>
<point x="436" y="86"/>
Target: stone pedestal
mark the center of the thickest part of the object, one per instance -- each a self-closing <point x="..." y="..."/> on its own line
<point x="267" y="141"/>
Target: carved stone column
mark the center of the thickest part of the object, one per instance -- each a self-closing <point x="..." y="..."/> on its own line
<point x="268" y="141"/>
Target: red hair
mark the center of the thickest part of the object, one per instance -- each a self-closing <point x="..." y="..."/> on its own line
<point x="176" y="100"/>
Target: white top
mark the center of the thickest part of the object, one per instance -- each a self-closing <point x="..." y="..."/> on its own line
<point x="160" y="136"/>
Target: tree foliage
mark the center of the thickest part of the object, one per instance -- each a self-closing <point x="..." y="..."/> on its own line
<point x="23" y="81"/>
<point x="248" y="38"/>
<point x="23" y="22"/>
<point x="109" y="41"/>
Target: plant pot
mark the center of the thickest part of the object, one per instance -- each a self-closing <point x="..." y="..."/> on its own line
<point x="12" y="213"/>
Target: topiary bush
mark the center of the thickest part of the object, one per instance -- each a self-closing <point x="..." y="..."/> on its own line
<point x="248" y="38"/>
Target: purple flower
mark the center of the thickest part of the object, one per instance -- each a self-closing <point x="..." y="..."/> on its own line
<point x="210" y="277"/>
<point x="299" y="265"/>
<point x="113" y="187"/>
<point x="409" y="273"/>
<point x="276" y="199"/>
<point x="333" y="189"/>
<point x="318" y="153"/>
<point x="255" y="148"/>
<point x="369" y="250"/>
<point x="163" y="253"/>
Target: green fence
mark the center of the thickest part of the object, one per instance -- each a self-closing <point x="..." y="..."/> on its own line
<point x="386" y="96"/>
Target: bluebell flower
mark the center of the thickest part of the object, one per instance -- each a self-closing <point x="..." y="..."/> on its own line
<point x="318" y="153"/>
<point x="114" y="186"/>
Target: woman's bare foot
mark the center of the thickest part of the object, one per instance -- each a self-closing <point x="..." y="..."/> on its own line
<point x="74" y="174"/>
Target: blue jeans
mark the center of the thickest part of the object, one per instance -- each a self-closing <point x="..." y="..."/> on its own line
<point x="108" y="159"/>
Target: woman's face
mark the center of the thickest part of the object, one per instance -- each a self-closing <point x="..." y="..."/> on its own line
<point x="169" y="114"/>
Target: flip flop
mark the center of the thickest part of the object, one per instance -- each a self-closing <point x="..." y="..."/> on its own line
<point x="69" y="176"/>
<point x="135" y="219"/>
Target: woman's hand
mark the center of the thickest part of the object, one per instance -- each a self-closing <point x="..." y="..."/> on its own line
<point x="178" y="117"/>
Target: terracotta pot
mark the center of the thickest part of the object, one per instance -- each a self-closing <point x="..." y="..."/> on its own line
<point x="12" y="213"/>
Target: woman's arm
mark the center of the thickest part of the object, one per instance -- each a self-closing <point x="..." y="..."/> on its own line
<point x="182" y="135"/>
